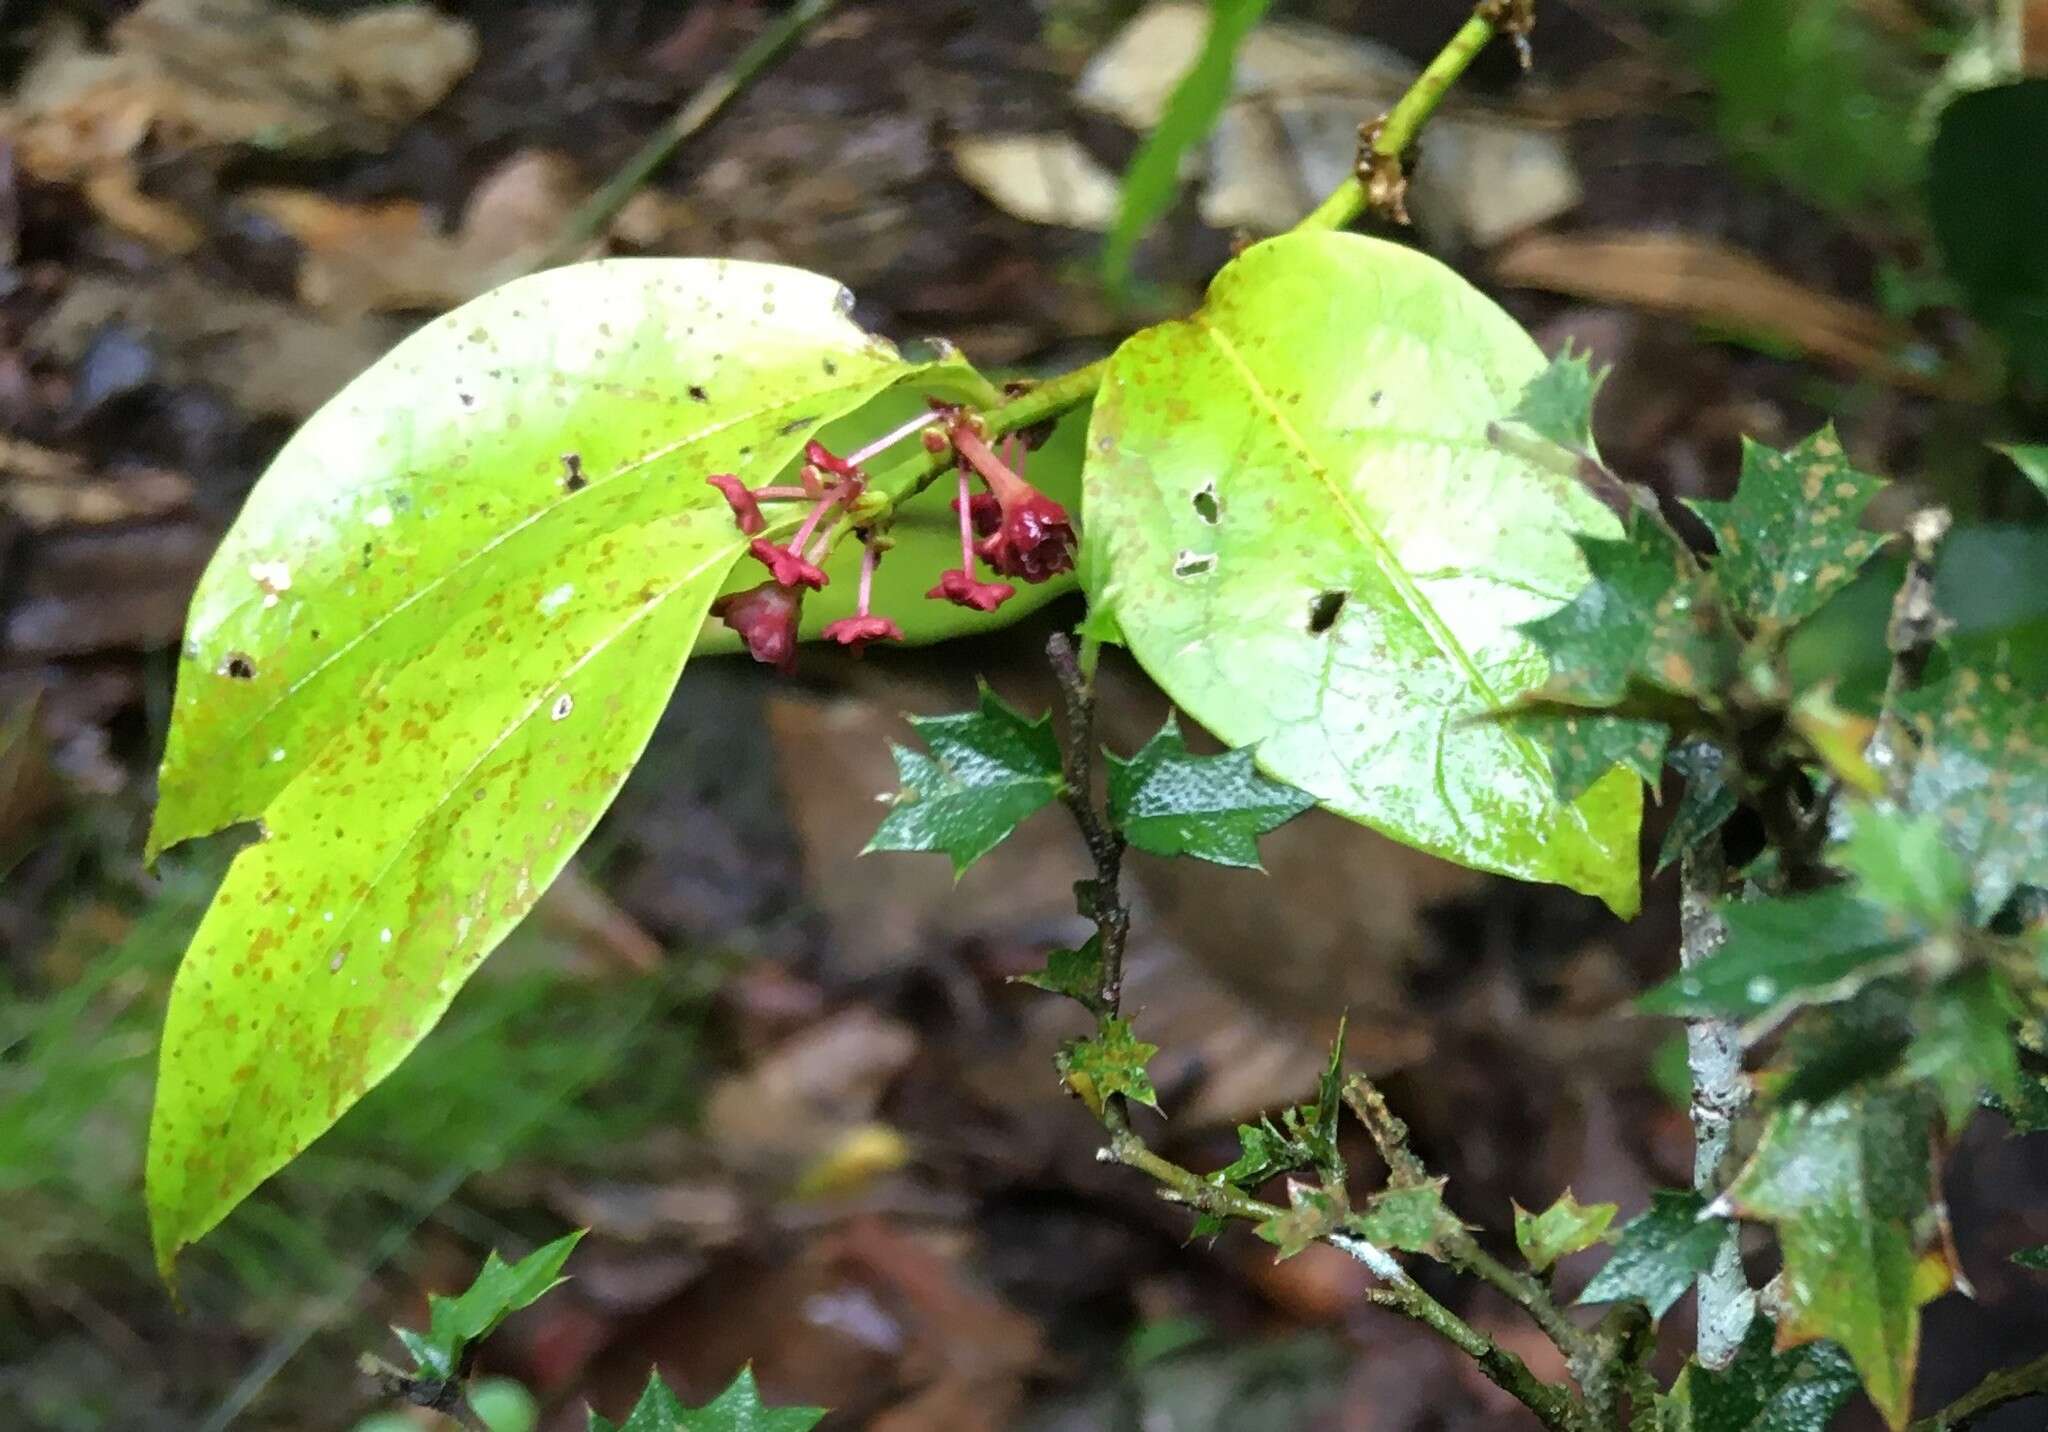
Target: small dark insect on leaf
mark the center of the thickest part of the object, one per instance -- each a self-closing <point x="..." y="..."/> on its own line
<point x="573" y="479"/>
<point x="697" y="389"/>
<point x="1206" y="506"/>
<point x="1324" y="611"/>
<point x="239" y="667"/>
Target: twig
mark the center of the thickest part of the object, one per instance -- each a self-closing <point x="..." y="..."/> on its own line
<point x="1100" y="899"/>
<point x="1553" y="1406"/>
<point x="2013" y="1384"/>
<point x="1460" y="1249"/>
<point x="1381" y="183"/>
<point x="592" y="216"/>
<point x="1916" y="623"/>
<point x="1713" y="1049"/>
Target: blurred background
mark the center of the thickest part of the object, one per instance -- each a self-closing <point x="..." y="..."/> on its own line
<point x="789" y="1092"/>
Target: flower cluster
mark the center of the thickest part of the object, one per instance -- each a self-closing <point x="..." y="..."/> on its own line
<point x="1012" y="526"/>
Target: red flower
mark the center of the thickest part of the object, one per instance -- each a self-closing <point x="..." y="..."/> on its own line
<point x="745" y="510"/>
<point x="1033" y="537"/>
<point x="857" y="632"/>
<point x="960" y="588"/>
<point x="787" y="567"/>
<point x="765" y="617"/>
<point x="984" y="512"/>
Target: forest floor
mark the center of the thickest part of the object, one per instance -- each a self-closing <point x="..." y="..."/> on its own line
<point x="805" y="1117"/>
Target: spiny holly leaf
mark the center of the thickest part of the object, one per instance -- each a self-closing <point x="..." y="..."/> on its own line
<point x="1789" y="537"/>
<point x="1704" y="805"/>
<point x="1763" y="1390"/>
<point x="1983" y="770"/>
<point x="1306" y="1136"/>
<point x="1833" y="1049"/>
<point x="1647" y="616"/>
<point x="500" y="1290"/>
<point x="1169" y="802"/>
<point x="1659" y="1253"/>
<point x="1904" y="863"/>
<point x="1583" y="746"/>
<point x="1846" y="1184"/>
<point x="1074" y="973"/>
<point x="1558" y="403"/>
<point x="1564" y="1228"/>
<point x="1964" y="1047"/>
<point x="2027" y="1110"/>
<point x="1806" y="948"/>
<point x="737" y="1409"/>
<point x="2035" y="1258"/>
<point x="1410" y="1219"/>
<point x="1311" y="1213"/>
<point x="1110" y="1063"/>
<point x="2032" y="461"/>
<point x="988" y="770"/>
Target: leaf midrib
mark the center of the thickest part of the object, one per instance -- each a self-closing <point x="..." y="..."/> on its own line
<point x="1398" y="575"/>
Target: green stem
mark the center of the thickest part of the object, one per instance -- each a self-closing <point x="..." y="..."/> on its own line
<point x="2028" y="1380"/>
<point x="1396" y="131"/>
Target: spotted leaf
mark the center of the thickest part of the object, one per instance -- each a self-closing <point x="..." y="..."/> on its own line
<point x="426" y="655"/>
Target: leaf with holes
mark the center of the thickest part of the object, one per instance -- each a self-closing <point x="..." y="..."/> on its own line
<point x="1983" y="771"/>
<point x="1168" y="801"/>
<point x="1659" y="1253"/>
<point x="429" y="650"/>
<point x="1790" y="537"/>
<point x="1846" y="1183"/>
<point x="1297" y="520"/>
<point x="1764" y="1390"/>
<point x="737" y="1409"/>
<point x="988" y="771"/>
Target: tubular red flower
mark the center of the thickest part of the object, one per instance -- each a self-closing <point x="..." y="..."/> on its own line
<point x="788" y="568"/>
<point x="825" y="460"/>
<point x="1034" y="537"/>
<point x="960" y="588"/>
<point x="984" y="512"/>
<point x="765" y="617"/>
<point x="857" y="632"/>
<point x="745" y="510"/>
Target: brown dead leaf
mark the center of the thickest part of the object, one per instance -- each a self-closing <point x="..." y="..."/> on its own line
<point x="391" y="256"/>
<point x="1707" y="282"/>
<point x="271" y="356"/>
<point x="46" y="489"/>
<point x="198" y="74"/>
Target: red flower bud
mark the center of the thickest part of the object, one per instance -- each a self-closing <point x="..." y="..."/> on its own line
<point x="822" y="457"/>
<point x="857" y="632"/>
<point x="960" y="588"/>
<point x="745" y="510"/>
<point x="765" y="617"/>
<point x="788" y="568"/>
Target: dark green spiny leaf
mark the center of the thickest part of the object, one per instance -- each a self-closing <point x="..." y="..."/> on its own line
<point x="737" y="1409"/>
<point x="1169" y="802"/>
<point x="499" y="1290"/>
<point x="1763" y="1390"/>
<point x="2035" y="1258"/>
<point x="1074" y="973"/>
<point x="1659" y="1253"/>
<point x="987" y="771"/>
<point x="1810" y="948"/>
<point x="1846" y="1184"/>
<point x="1704" y="805"/>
